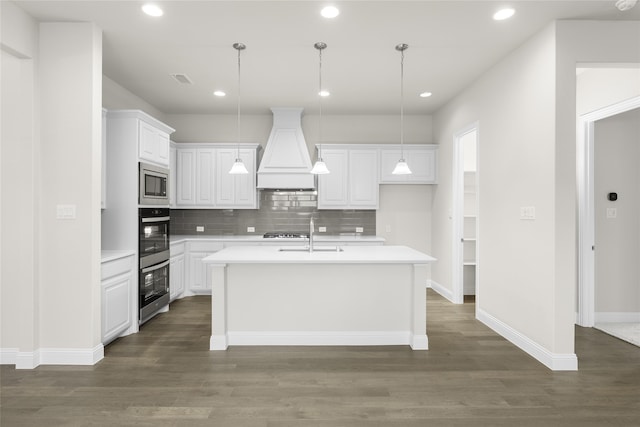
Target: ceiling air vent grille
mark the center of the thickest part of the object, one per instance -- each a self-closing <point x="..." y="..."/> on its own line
<point x="182" y="79"/>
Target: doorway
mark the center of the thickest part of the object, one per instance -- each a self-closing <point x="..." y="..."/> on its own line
<point x="465" y="215"/>
<point x="593" y="213"/>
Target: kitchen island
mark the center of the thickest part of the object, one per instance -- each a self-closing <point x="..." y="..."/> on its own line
<point x="351" y="295"/>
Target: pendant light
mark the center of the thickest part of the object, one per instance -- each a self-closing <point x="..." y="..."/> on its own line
<point x="402" y="168"/>
<point x="238" y="167"/>
<point x="319" y="167"/>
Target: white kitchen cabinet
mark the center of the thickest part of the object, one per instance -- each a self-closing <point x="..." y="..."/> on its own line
<point x="353" y="181"/>
<point x="235" y="191"/>
<point x="173" y="174"/>
<point x="205" y="169"/>
<point x="203" y="180"/>
<point x="117" y="282"/>
<point x="153" y="144"/>
<point x="176" y="270"/>
<point x="185" y="177"/>
<point x="198" y="277"/>
<point x="421" y="159"/>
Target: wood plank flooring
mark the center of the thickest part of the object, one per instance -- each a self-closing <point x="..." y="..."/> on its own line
<point x="166" y="376"/>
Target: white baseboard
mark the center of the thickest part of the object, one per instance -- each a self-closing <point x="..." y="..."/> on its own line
<point x="617" y="317"/>
<point x="553" y="361"/>
<point x="303" y="338"/>
<point x="446" y="293"/>
<point x="51" y="356"/>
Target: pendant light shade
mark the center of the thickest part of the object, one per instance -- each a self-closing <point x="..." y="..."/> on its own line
<point x="238" y="167"/>
<point x="320" y="167"/>
<point x="402" y="168"/>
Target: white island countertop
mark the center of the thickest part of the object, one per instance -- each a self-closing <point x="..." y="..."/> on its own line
<point x="348" y="255"/>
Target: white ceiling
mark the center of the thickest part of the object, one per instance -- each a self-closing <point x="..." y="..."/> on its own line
<point x="451" y="44"/>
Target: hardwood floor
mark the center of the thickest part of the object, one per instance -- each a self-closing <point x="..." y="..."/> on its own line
<point x="166" y="376"/>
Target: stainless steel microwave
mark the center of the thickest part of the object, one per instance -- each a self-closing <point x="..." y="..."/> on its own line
<point x="154" y="185"/>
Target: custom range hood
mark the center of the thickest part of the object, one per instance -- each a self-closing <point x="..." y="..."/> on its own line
<point x="285" y="163"/>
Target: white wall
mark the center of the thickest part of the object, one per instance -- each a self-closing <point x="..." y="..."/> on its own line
<point x="603" y="86"/>
<point x="526" y="108"/>
<point x="71" y="115"/>
<point x="19" y="317"/>
<point x="116" y="97"/>
<point x="617" y="271"/>
<point x="513" y="104"/>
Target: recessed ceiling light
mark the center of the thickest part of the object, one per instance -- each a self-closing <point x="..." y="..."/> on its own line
<point x="330" y="12"/>
<point x="152" y="10"/>
<point x="219" y="93"/>
<point x="503" y="14"/>
<point x="425" y="94"/>
<point x="324" y="93"/>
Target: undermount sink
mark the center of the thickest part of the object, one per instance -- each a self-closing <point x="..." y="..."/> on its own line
<point x="315" y="249"/>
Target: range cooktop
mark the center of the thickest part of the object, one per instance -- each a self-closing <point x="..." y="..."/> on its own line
<point x="285" y="235"/>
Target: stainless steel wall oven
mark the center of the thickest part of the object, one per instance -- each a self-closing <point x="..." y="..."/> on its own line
<point x="154" y="261"/>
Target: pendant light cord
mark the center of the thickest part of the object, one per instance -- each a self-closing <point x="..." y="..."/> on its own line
<point x="238" y="104"/>
<point x="402" y="104"/>
<point x="320" y="105"/>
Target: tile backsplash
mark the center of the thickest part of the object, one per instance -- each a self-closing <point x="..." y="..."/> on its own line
<point x="279" y="211"/>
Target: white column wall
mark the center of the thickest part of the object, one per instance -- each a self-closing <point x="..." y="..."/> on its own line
<point x="70" y="76"/>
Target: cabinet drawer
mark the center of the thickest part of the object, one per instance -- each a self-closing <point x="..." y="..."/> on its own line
<point x="116" y="267"/>
<point x="176" y="249"/>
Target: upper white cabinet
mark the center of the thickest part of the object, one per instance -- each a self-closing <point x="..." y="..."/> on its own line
<point x="173" y="162"/>
<point x="353" y="181"/>
<point x="153" y="144"/>
<point x="203" y="179"/>
<point x="235" y="191"/>
<point x="422" y="160"/>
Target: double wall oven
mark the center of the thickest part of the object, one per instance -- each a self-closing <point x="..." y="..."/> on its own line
<point x="153" y="242"/>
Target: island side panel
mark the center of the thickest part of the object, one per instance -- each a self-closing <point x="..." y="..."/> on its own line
<point x="319" y="304"/>
<point x="219" y="339"/>
<point x="419" y="340"/>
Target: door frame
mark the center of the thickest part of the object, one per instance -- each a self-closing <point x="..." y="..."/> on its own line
<point x="585" y="166"/>
<point x="457" y="214"/>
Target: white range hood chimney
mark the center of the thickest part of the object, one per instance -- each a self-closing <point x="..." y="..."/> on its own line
<point x="285" y="163"/>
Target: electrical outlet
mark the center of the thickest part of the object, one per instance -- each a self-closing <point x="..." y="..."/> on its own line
<point x="322" y="229"/>
<point x="528" y="212"/>
<point x="200" y="228"/>
<point x="612" y="213"/>
<point x="359" y="229"/>
<point x="387" y="228"/>
<point x="251" y="229"/>
<point x="66" y="211"/>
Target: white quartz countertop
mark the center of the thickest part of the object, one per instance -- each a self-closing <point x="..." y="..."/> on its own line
<point x="112" y="255"/>
<point x="348" y="255"/>
<point x="258" y="238"/>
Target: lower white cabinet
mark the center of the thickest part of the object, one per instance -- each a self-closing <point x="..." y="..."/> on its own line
<point x="198" y="277"/>
<point x="176" y="270"/>
<point x="117" y="281"/>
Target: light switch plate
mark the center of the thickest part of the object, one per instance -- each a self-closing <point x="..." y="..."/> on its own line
<point x="612" y="213"/>
<point x="200" y="228"/>
<point x="322" y="229"/>
<point x="66" y="211"/>
<point x="251" y="229"/>
<point x="359" y="229"/>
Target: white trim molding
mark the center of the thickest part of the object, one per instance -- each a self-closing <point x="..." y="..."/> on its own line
<point x="51" y="356"/>
<point x="553" y="361"/>
<point x="327" y="338"/>
<point x="444" y="292"/>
